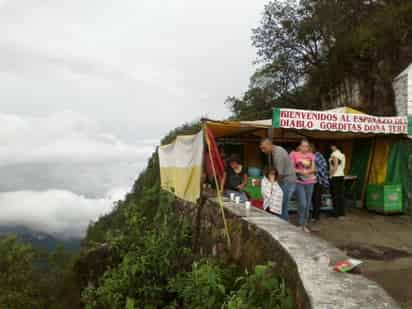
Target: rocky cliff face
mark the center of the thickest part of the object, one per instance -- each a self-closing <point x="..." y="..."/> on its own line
<point x="374" y="94"/>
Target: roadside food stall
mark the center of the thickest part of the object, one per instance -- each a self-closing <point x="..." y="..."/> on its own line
<point x="376" y="150"/>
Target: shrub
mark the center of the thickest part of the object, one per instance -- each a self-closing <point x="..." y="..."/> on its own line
<point x="260" y="290"/>
<point x="154" y="250"/>
<point x="202" y="287"/>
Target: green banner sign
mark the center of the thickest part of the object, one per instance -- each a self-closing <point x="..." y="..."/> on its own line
<point x="276" y="118"/>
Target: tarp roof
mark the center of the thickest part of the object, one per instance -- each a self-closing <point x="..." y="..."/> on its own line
<point x="345" y="109"/>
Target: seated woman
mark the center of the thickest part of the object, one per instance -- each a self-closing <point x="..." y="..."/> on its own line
<point x="271" y="192"/>
<point x="235" y="179"/>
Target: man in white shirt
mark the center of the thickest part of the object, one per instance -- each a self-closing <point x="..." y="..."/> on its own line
<point x="337" y="162"/>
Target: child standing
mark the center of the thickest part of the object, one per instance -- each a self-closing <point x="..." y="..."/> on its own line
<point x="271" y="192"/>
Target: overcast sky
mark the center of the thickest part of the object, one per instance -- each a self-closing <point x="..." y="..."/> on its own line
<point x="87" y="87"/>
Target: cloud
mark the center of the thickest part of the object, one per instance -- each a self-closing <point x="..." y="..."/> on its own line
<point x="144" y="65"/>
<point x="73" y="155"/>
<point x="88" y="87"/>
<point x="28" y="61"/>
<point x="92" y="180"/>
<point x="57" y="212"/>
<point x="63" y="137"/>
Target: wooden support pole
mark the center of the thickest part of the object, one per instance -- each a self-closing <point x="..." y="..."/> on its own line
<point x="219" y="195"/>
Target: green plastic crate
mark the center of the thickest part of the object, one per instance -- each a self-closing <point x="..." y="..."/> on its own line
<point x="384" y="198"/>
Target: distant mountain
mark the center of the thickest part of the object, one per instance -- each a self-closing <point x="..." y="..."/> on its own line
<point x="40" y="240"/>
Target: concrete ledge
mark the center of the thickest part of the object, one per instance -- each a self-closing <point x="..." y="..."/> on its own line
<point x="259" y="237"/>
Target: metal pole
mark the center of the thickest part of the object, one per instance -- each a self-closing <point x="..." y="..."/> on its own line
<point x="270" y="159"/>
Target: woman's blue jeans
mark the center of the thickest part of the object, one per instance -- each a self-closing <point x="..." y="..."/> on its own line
<point x="304" y="196"/>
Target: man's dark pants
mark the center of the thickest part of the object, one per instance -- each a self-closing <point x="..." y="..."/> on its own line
<point x="317" y="200"/>
<point x="337" y="187"/>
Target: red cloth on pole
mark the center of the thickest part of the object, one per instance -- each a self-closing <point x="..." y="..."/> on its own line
<point x="217" y="159"/>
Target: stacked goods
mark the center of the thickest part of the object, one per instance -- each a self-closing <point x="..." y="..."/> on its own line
<point x="384" y="198"/>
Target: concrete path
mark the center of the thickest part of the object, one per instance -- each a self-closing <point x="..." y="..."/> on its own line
<point x="384" y="243"/>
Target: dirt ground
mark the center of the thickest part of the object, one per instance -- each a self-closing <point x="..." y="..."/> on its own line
<point x="383" y="243"/>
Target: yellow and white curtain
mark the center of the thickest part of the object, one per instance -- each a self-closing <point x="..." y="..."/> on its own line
<point x="181" y="166"/>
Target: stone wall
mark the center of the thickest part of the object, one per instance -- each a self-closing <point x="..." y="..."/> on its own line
<point x="258" y="238"/>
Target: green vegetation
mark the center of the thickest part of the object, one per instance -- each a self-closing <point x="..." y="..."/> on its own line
<point x="32" y="279"/>
<point x="185" y="129"/>
<point x="310" y="53"/>
<point x="313" y="53"/>
<point x="138" y="256"/>
<point x="202" y="287"/>
<point x="155" y="266"/>
<point x="153" y="248"/>
<point x="210" y="286"/>
<point x="17" y="274"/>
